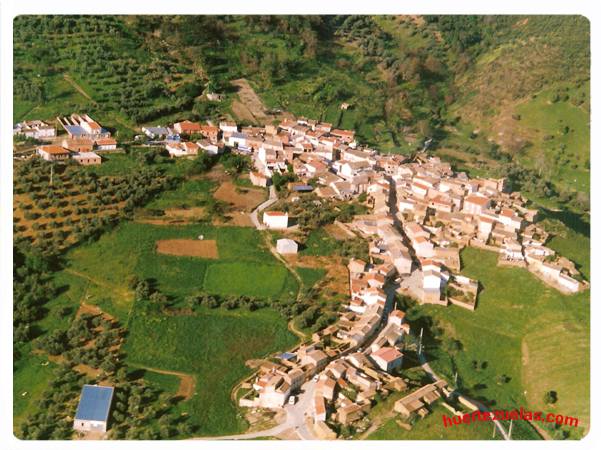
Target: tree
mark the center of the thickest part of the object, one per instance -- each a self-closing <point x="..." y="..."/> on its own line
<point x="550" y="397"/>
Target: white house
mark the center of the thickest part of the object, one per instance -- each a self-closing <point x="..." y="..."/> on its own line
<point x="569" y="283"/>
<point x="36" y="129"/>
<point x="423" y="247"/>
<point x="228" y="127"/>
<point x="287" y="247"/>
<point x="475" y="204"/>
<point x="387" y="358"/>
<point x="108" y="143"/>
<point x="209" y="147"/>
<point x="276" y="220"/>
<point x="177" y="149"/>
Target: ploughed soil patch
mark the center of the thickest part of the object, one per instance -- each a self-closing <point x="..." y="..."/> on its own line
<point x="336" y="280"/>
<point x="188" y="247"/>
<point x="241" y="198"/>
<point x="233" y="219"/>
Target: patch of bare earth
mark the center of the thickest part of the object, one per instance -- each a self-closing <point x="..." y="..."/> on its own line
<point x="241" y="198"/>
<point x="336" y="278"/>
<point x="188" y="247"/>
<point x="242" y="112"/>
<point x="337" y="232"/>
<point x="234" y="219"/>
<point x="85" y="308"/>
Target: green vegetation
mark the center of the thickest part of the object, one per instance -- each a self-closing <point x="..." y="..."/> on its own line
<point x="431" y="428"/>
<point x="132" y="251"/>
<point x="213" y="346"/>
<point x="320" y="243"/>
<point x="511" y="339"/>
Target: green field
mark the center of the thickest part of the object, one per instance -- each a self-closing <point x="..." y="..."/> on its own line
<point x="245" y="266"/>
<point x="431" y="428"/>
<point x="320" y="243"/>
<point x="569" y="148"/>
<point x="188" y="194"/>
<point x="212" y="345"/>
<point x="31" y="377"/>
<point x="522" y="329"/>
<point x="164" y="382"/>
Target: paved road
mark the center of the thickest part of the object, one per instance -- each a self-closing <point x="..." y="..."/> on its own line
<point x="273" y="197"/>
<point x="296" y="416"/>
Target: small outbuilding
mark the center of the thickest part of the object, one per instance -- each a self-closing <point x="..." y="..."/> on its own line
<point x="287" y="247"/>
<point x="93" y="409"/>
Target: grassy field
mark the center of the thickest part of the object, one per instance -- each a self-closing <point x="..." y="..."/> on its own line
<point x="130" y="248"/>
<point x="432" y="428"/>
<point x="165" y="382"/>
<point x="31" y="378"/>
<point x="544" y="117"/>
<point x="189" y="193"/>
<point x="320" y="243"/>
<point x="212" y="345"/>
<point x="521" y="329"/>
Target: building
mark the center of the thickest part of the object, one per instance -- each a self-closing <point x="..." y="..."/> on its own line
<point x="106" y="144"/>
<point x="93" y="410"/>
<point x="320" y="408"/>
<point x="34" y="129"/>
<point x="177" y="149"/>
<point x="87" y="158"/>
<point x="387" y="358"/>
<point x="475" y="204"/>
<point x="79" y="144"/>
<point x="187" y="127"/>
<point x="258" y="179"/>
<point x="156" y="132"/>
<point x="83" y="126"/>
<point x="228" y="127"/>
<point x="53" y="152"/>
<point x="287" y="247"/>
<point x="349" y="414"/>
<point x="276" y="220"/>
<point x="416" y="401"/>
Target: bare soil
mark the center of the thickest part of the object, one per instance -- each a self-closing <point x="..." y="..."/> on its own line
<point x="188" y="247"/>
<point x="234" y="219"/>
<point x="245" y="199"/>
<point x="336" y="279"/>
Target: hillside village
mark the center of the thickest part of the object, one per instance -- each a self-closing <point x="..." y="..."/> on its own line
<point x="422" y="214"/>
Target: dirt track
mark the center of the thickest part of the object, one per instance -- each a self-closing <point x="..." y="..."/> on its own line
<point x="187" y="383"/>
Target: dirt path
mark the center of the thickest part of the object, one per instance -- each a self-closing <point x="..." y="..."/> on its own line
<point x="544" y="434"/>
<point x="296" y="331"/>
<point x="187" y="382"/>
<point x="120" y="292"/>
<point x="77" y="87"/>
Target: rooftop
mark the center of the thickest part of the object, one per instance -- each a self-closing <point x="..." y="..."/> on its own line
<point x="94" y="403"/>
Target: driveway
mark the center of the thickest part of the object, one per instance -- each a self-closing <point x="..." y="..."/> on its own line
<point x="273" y="197"/>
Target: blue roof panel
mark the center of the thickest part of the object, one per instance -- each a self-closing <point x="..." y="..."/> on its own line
<point x="75" y="130"/>
<point x="94" y="403"/>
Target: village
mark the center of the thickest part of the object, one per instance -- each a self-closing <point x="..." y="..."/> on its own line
<point x="422" y="215"/>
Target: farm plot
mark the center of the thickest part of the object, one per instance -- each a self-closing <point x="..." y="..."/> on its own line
<point x="212" y="346"/>
<point x="188" y="247"/>
<point x="240" y="198"/>
<point x="242" y="266"/>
